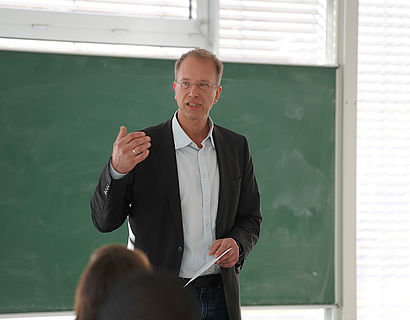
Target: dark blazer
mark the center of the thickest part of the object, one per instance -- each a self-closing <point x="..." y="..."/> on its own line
<point x="149" y="197"/>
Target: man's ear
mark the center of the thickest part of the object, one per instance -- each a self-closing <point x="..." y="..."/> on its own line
<point x="217" y="94"/>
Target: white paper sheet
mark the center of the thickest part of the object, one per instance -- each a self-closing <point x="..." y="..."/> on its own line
<point x="206" y="266"/>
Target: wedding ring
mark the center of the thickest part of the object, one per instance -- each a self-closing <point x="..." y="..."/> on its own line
<point x="133" y="151"/>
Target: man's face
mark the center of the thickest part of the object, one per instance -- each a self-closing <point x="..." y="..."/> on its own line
<point x="195" y="103"/>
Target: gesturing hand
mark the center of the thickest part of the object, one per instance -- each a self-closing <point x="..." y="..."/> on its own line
<point x="219" y="247"/>
<point x="129" y="150"/>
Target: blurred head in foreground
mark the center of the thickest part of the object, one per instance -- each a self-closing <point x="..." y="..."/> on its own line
<point x="149" y="296"/>
<point x="107" y="266"/>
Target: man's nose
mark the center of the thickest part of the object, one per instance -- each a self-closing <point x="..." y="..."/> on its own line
<point x="194" y="90"/>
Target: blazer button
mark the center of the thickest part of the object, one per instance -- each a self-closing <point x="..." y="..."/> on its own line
<point x="179" y="249"/>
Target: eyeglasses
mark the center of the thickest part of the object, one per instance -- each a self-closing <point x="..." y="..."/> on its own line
<point x="205" y="86"/>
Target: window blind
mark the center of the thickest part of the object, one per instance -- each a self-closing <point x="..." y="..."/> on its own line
<point x="138" y="8"/>
<point x="157" y="23"/>
<point x="276" y="30"/>
<point x="383" y="160"/>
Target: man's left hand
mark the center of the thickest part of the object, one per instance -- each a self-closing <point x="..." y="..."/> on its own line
<point x="220" y="246"/>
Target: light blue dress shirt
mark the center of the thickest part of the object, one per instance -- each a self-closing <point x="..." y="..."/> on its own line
<point x="198" y="176"/>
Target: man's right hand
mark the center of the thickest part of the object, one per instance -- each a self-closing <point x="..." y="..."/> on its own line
<point x="129" y="150"/>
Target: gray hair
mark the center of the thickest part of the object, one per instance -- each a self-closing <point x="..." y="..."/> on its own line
<point x="202" y="54"/>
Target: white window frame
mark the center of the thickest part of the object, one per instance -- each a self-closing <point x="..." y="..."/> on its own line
<point x="345" y="155"/>
<point x="110" y="29"/>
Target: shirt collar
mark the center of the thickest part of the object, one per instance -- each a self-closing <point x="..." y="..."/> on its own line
<point x="182" y="140"/>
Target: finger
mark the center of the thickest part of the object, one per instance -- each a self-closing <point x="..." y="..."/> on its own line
<point x="221" y="250"/>
<point x="231" y="255"/>
<point x="230" y="261"/>
<point x="141" y="148"/>
<point x="129" y="138"/>
<point x="140" y="142"/>
<point x="226" y="262"/>
<point x="228" y="256"/>
<point x="126" y="145"/>
<point x="133" y="141"/>
<point x="215" y="246"/>
<point x="135" y="135"/>
<point x="121" y="134"/>
<point x="141" y="157"/>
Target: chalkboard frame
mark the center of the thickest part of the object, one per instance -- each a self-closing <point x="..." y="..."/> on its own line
<point x="59" y="117"/>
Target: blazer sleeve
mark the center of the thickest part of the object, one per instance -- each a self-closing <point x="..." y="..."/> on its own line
<point x="248" y="216"/>
<point x="110" y="201"/>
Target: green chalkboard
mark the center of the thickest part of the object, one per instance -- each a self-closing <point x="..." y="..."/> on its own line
<point x="59" y="115"/>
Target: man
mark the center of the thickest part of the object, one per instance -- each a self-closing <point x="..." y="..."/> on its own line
<point x="188" y="189"/>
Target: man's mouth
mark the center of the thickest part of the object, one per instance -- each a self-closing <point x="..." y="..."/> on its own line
<point x="190" y="104"/>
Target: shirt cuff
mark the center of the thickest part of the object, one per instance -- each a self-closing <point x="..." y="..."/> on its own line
<point x="115" y="174"/>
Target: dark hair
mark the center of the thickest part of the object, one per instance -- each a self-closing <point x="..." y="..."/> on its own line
<point x="202" y="54"/>
<point x="106" y="267"/>
<point x="149" y="296"/>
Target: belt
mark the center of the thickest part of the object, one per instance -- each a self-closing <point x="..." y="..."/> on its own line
<point x="209" y="282"/>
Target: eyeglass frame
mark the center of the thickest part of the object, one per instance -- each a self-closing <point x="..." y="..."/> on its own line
<point x="191" y="83"/>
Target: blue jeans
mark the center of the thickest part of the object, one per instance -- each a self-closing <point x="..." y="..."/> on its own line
<point x="211" y="303"/>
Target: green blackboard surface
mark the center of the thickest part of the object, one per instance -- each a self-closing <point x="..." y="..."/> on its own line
<point x="59" y="115"/>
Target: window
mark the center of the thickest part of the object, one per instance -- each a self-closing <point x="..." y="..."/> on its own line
<point x="126" y="22"/>
<point x="383" y="160"/>
<point x="269" y="31"/>
<point x="278" y="30"/>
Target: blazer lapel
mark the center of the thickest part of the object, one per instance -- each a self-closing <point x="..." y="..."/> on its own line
<point x="168" y="167"/>
<point x="224" y="159"/>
